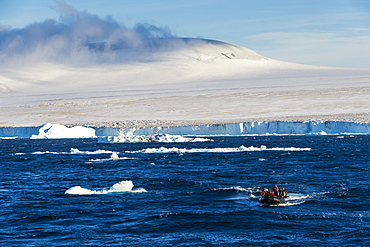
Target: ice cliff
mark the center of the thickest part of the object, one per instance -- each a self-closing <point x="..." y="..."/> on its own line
<point x="252" y="128"/>
<point x="249" y="128"/>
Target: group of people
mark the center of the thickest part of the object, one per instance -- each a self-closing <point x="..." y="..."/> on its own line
<point x="275" y="192"/>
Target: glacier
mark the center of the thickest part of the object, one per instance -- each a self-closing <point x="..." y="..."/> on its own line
<point x="250" y="128"/>
<point x="175" y="133"/>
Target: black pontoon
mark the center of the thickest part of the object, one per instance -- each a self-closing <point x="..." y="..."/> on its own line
<point x="273" y="200"/>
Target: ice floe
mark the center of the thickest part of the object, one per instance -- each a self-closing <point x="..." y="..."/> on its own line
<point x="77" y="151"/>
<point x="216" y="150"/>
<point x="120" y="187"/>
<point x="57" y="131"/>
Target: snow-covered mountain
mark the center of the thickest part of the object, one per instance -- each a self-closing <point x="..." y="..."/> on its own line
<point x="174" y="79"/>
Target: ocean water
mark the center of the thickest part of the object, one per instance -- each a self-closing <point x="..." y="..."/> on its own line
<point x="77" y="192"/>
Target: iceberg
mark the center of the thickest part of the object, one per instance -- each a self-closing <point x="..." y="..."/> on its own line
<point x="120" y="187"/>
<point x="57" y="131"/>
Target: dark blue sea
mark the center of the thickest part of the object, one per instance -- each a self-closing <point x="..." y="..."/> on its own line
<point x="78" y="192"/>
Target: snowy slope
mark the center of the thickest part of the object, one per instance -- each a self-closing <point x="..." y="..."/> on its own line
<point x="179" y="79"/>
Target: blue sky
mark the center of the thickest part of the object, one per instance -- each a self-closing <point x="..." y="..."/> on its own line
<point x="325" y="32"/>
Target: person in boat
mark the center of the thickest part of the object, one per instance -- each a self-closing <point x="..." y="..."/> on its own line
<point x="265" y="192"/>
<point x="283" y="193"/>
<point x="275" y="191"/>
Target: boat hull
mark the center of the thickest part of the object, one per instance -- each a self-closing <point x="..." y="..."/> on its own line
<point x="272" y="200"/>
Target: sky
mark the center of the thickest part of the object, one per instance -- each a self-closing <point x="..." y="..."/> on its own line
<point x="333" y="33"/>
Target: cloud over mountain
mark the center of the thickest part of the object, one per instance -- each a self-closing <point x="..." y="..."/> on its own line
<point x="72" y="37"/>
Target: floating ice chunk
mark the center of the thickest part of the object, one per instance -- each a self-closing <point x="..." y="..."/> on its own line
<point x="216" y="150"/>
<point x="76" y="151"/>
<point x="242" y="148"/>
<point x="78" y="190"/>
<point x="99" y="151"/>
<point x="123" y="186"/>
<point x="323" y="133"/>
<point x="138" y="190"/>
<point x="57" y="131"/>
<point x="114" y="156"/>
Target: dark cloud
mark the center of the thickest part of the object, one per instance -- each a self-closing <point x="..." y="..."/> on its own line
<point x="76" y="36"/>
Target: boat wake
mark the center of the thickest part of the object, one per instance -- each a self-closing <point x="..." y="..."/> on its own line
<point x="250" y="197"/>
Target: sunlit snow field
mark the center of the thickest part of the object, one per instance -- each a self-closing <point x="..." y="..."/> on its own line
<point x="176" y="79"/>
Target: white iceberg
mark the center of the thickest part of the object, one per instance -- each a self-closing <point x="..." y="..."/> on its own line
<point x="57" y="131"/>
<point x="123" y="186"/>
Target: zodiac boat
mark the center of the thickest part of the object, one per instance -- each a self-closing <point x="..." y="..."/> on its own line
<point x="273" y="200"/>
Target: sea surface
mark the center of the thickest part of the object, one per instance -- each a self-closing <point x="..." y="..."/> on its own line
<point x="77" y="192"/>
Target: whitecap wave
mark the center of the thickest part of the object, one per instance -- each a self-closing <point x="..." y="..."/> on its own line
<point x="48" y="152"/>
<point x="19" y="153"/>
<point x="114" y="156"/>
<point x="297" y="196"/>
<point x="77" y="151"/>
<point x="99" y="151"/>
<point x="217" y="150"/>
<point x="120" y="187"/>
<point x="236" y="188"/>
